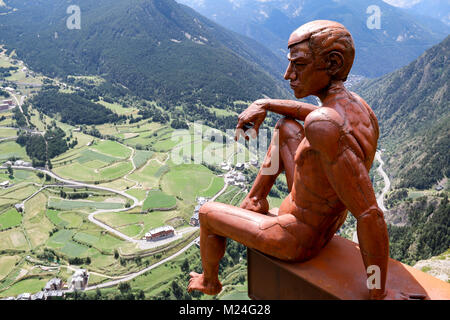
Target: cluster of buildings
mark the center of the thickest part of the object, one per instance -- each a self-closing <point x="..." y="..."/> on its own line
<point x="6" y="104"/>
<point x="235" y="178"/>
<point x="18" y="163"/>
<point x="53" y="290"/>
<point x="160" y="233"/>
<point x="194" y="219"/>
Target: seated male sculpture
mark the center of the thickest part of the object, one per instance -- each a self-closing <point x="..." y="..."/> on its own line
<point x="326" y="163"/>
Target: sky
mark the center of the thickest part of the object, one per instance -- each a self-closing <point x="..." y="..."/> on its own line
<point x="402" y="3"/>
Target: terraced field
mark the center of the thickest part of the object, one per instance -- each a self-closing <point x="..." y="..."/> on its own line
<point x="10" y="218"/>
<point x="60" y="204"/>
<point x="158" y="199"/>
<point x="189" y="181"/>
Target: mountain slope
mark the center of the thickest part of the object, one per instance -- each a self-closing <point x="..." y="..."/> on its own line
<point x="412" y="106"/>
<point x="401" y="39"/>
<point x="158" y="49"/>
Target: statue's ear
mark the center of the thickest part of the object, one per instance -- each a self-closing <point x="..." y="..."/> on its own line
<point x="335" y="62"/>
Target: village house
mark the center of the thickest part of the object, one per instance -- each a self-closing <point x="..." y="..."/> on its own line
<point x="24" y="296"/>
<point x="53" y="284"/>
<point x="39" y="296"/>
<point x="79" y="279"/>
<point x="4" y="184"/>
<point x="160" y="233"/>
<point x="194" y="219"/>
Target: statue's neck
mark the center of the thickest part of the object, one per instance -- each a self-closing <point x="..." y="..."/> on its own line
<point x="335" y="87"/>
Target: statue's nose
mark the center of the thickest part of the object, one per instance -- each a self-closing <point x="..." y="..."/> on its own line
<point x="289" y="74"/>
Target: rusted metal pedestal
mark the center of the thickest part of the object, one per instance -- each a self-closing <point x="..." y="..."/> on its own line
<point x="337" y="272"/>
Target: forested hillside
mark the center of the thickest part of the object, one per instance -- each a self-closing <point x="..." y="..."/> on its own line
<point x="158" y="49"/>
<point x="412" y="105"/>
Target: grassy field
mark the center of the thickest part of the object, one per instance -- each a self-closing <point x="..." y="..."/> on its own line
<point x="32" y="285"/>
<point x="112" y="148"/>
<point x="60" y="204"/>
<point x="8" y="132"/>
<point x="10" y="218"/>
<point x="10" y="149"/>
<point x="158" y="199"/>
<point x="189" y="181"/>
<point x="7" y="263"/>
<point x="138" y="194"/>
<point x="117" y="108"/>
<point x="64" y="219"/>
<point x="90" y="173"/>
<point x="146" y="222"/>
<point x="13" y="239"/>
<point x="141" y="157"/>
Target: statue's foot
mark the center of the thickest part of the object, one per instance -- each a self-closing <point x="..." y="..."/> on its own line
<point x="199" y="283"/>
<point x="255" y="204"/>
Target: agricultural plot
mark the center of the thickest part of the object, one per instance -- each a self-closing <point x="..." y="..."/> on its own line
<point x="8" y="132"/>
<point x="147" y="221"/>
<point x="10" y="218"/>
<point x="91" y="155"/>
<point x="32" y="285"/>
<point x="64" y="219"/>
<point x="8" y="121"/>
<point x="7" y="263"/>
<point x="18" y="177"/>
<point x="157" y="200"/>
<point x="98" y="240"/>
<point x="80" y="172"/>
<point x="13" y="239"/>
<point x="149" y="175"/>
<point x="117" y="108"/>
<point x="112" y="148"/>
<point x="189" y="181"/>
<point x="18" y="192"/>
<point x="137" y="193"/>
<point x="60" y="204"/>
<point x="10" y="149"/>
<point x="141" y="157"/>
<point x="62" y="241"/>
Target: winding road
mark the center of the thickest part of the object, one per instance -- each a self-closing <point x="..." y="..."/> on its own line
<point x="387" y="182"/>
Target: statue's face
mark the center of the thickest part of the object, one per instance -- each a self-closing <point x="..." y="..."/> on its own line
<point x="306" y="79"/>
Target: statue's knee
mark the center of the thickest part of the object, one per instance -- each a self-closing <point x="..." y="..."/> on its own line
<point x="288" y="128"/>
<point x="203" y="212"/>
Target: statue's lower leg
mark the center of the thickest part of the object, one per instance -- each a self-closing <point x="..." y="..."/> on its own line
<point x="212" y="249"/>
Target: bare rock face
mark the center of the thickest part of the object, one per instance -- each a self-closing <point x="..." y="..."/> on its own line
<point x="438" y="266"/>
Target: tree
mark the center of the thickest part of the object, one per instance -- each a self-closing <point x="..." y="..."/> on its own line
<point x="124" y="287"/>
<point x="185" y="266"/>
<point x="10" y="171"/>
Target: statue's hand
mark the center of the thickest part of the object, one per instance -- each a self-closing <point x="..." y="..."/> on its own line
<point x="392" y="294"/>
<point x="255" y="204"/>
<point x="251" y="119"/>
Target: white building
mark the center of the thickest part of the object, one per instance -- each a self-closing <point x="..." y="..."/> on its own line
<point x="79" y="279"/>
<point x="4" y="184"/>
<point x="24" y="296"/>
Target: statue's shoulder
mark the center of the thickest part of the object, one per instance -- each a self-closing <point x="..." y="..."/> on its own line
<point x="324" y="128"/>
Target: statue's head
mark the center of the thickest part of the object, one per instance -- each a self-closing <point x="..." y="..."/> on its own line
<point x="319" y="52"/>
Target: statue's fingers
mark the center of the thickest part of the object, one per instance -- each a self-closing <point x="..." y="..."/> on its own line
<point x="417" y="296"/>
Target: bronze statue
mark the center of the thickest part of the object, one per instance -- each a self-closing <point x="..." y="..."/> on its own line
<point x="326" y="163"/>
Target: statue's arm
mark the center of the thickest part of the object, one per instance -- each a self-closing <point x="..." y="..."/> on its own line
<point x="255" y="114"/>
<point x="342" y="162"/>
<point x="289" y="108"/>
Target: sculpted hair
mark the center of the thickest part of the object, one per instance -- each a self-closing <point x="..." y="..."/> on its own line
<point x="324" y="37"/>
